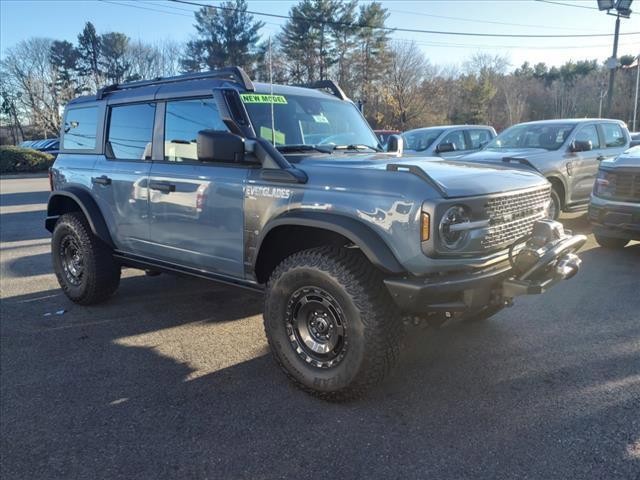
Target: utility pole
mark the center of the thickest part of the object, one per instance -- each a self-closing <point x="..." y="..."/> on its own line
<point x="613" y="65"/>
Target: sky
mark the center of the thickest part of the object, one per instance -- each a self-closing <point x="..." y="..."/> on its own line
<point x="157" y="20"/>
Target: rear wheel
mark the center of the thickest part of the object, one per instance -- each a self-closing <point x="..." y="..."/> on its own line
<point x="83" y="264"/>
<point x="611" y="242"/>
<point x="331" y="325"/>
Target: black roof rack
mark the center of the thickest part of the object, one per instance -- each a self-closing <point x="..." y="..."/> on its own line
<point x="328" y="84"/>
<point x="235" y="74"/>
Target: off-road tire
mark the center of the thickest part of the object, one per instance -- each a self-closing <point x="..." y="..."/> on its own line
<point x="611" y="242"/>
<point x="100" y="272"/>
<point x="556" y="204"/>
<point x="373" y="326"/>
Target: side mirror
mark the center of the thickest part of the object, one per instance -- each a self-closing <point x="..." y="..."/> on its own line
<point x="220" y="146"/>
<point x="445" y="147"/>
<point x="483" y="144"/>
<point x="581" y="146"/>
<point x="395" y="144"/>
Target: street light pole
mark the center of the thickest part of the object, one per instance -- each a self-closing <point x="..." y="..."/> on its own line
<point x="635" y="105"/>
<point x="613" y="67"/>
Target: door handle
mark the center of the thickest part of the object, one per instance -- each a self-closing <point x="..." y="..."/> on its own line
<point x="103" y="180"/>
<point x="164" y="187"/>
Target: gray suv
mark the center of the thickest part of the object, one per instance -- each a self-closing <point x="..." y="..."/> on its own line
<point x="566" y="152"/>
<point x="448" y="141"/>
<point x="285" y="190"/>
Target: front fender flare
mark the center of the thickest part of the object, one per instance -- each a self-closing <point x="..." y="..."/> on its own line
<point x="357" y="232"/>
<point x="56" y="206"/>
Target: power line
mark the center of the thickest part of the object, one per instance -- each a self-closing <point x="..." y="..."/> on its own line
<point x="484" y="21"/>
<point x="567" y="4"/>
<point x="407" y="40"/>
<point x="407" y="30"/>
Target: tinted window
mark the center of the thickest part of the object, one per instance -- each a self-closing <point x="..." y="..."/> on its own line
<point x="613" y="135"/>
<point x="131" y="132"/>
<point x="589" y="134"/>
<point x="183" y="120"/>
<point x="456" y="138"/>
<point x="479" y="138"/>
<point x="80" y="126"/>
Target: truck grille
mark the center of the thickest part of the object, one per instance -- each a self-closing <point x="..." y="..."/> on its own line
<point x="512" y="216"/>
<point x="624" y="186"/>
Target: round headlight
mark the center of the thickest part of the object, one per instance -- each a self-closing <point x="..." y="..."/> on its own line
<point x="452" y="235"/>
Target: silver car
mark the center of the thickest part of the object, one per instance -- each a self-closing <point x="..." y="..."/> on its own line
<point x="567" y="152"/>
<point x="448" y="141"/>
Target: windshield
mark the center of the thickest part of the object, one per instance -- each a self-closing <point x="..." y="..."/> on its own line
<point x="420" y="140"/>
<point x="547" y="136"/>
<point x="305" y="120"/>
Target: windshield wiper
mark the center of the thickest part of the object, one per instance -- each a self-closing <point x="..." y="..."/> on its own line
<point x="303" y="147"/>
<point x="356" y="147"/>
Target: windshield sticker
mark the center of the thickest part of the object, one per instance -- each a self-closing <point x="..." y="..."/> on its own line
<point x="320" y="118"/>
<point x="265" y="133"/>
<point x="260" y="98"/>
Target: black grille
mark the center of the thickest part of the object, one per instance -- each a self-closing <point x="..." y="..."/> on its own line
<point x="623" y="186"/>
<point x="511" y="216"/>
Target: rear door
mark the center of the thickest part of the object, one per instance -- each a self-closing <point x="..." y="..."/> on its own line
<point x="196" y="208"/>
<point x="120" y="181"/>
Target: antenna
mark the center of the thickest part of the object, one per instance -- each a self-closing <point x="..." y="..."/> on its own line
<point x="273" y="120"/>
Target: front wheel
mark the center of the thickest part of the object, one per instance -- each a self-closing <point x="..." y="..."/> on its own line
<point x="611" y="242"/>
<point x="83" y="264"/>
<point x="556" y="205"/>
<point x="330" y="323"/>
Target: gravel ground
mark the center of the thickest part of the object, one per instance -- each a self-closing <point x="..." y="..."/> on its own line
<point x="172" y="378"/>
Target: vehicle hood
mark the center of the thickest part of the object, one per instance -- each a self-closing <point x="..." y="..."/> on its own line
<point x="629" y="160"/>
<point x="454" y="178"/>
<point x="528" y="156"/>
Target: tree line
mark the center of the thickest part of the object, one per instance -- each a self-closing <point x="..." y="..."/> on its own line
<point x="392" y="80"/>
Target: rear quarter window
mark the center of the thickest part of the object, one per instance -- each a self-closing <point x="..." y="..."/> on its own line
<point x="80" y="128"/>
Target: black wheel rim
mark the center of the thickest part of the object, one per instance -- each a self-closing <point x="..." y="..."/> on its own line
<point x="316" y="327"/>
<point x="72" y="260"/>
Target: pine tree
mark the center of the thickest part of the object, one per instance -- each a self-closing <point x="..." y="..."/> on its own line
<point x="63" y="58"/>
<point x="89" y="49"/>
<point x="113" y="60"/>
<point x="227" y="36"/>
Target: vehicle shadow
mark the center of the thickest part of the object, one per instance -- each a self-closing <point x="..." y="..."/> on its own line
<point x="19" y="226"/>
<point x="171" y="379"/>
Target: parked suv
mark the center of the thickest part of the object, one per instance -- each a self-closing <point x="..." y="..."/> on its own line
<point x="614" y="210"/>
<point x="448" y="141"/>
<point x="286" y="190"/>
<point x="566" y="152"/>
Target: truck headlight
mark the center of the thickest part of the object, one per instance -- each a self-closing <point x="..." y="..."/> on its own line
<point x="452" y="228"/>
<point x="602" y="187"/>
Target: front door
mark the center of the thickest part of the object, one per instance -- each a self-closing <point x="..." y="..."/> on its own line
<point x="120" y="184"/>
<point x="583" y="166"/>
<point x="195" y="208"/>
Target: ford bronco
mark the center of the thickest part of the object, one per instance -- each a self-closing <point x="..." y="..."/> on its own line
<point x="286" y="190"/>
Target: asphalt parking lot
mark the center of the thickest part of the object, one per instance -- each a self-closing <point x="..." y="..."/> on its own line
<point x="172" y="378"/>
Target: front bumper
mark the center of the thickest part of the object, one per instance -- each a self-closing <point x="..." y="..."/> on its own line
<point x="495" y="286"/>
<point x="614" y="218"/>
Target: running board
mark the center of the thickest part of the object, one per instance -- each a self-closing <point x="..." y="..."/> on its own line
<point x="144" y="263"/>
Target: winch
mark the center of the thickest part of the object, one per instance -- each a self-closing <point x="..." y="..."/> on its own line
<point x="548" y="256"/>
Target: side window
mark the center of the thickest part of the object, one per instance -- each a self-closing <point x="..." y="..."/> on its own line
<point x="589" y="133"/>
<point x="183" y="120"/>
<point x="80" y="126"/>
<point x="130" y="132"/>
<point x="478" y="138"/>
<point x="613" y="135"/>
<point x="456" y="137"/>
